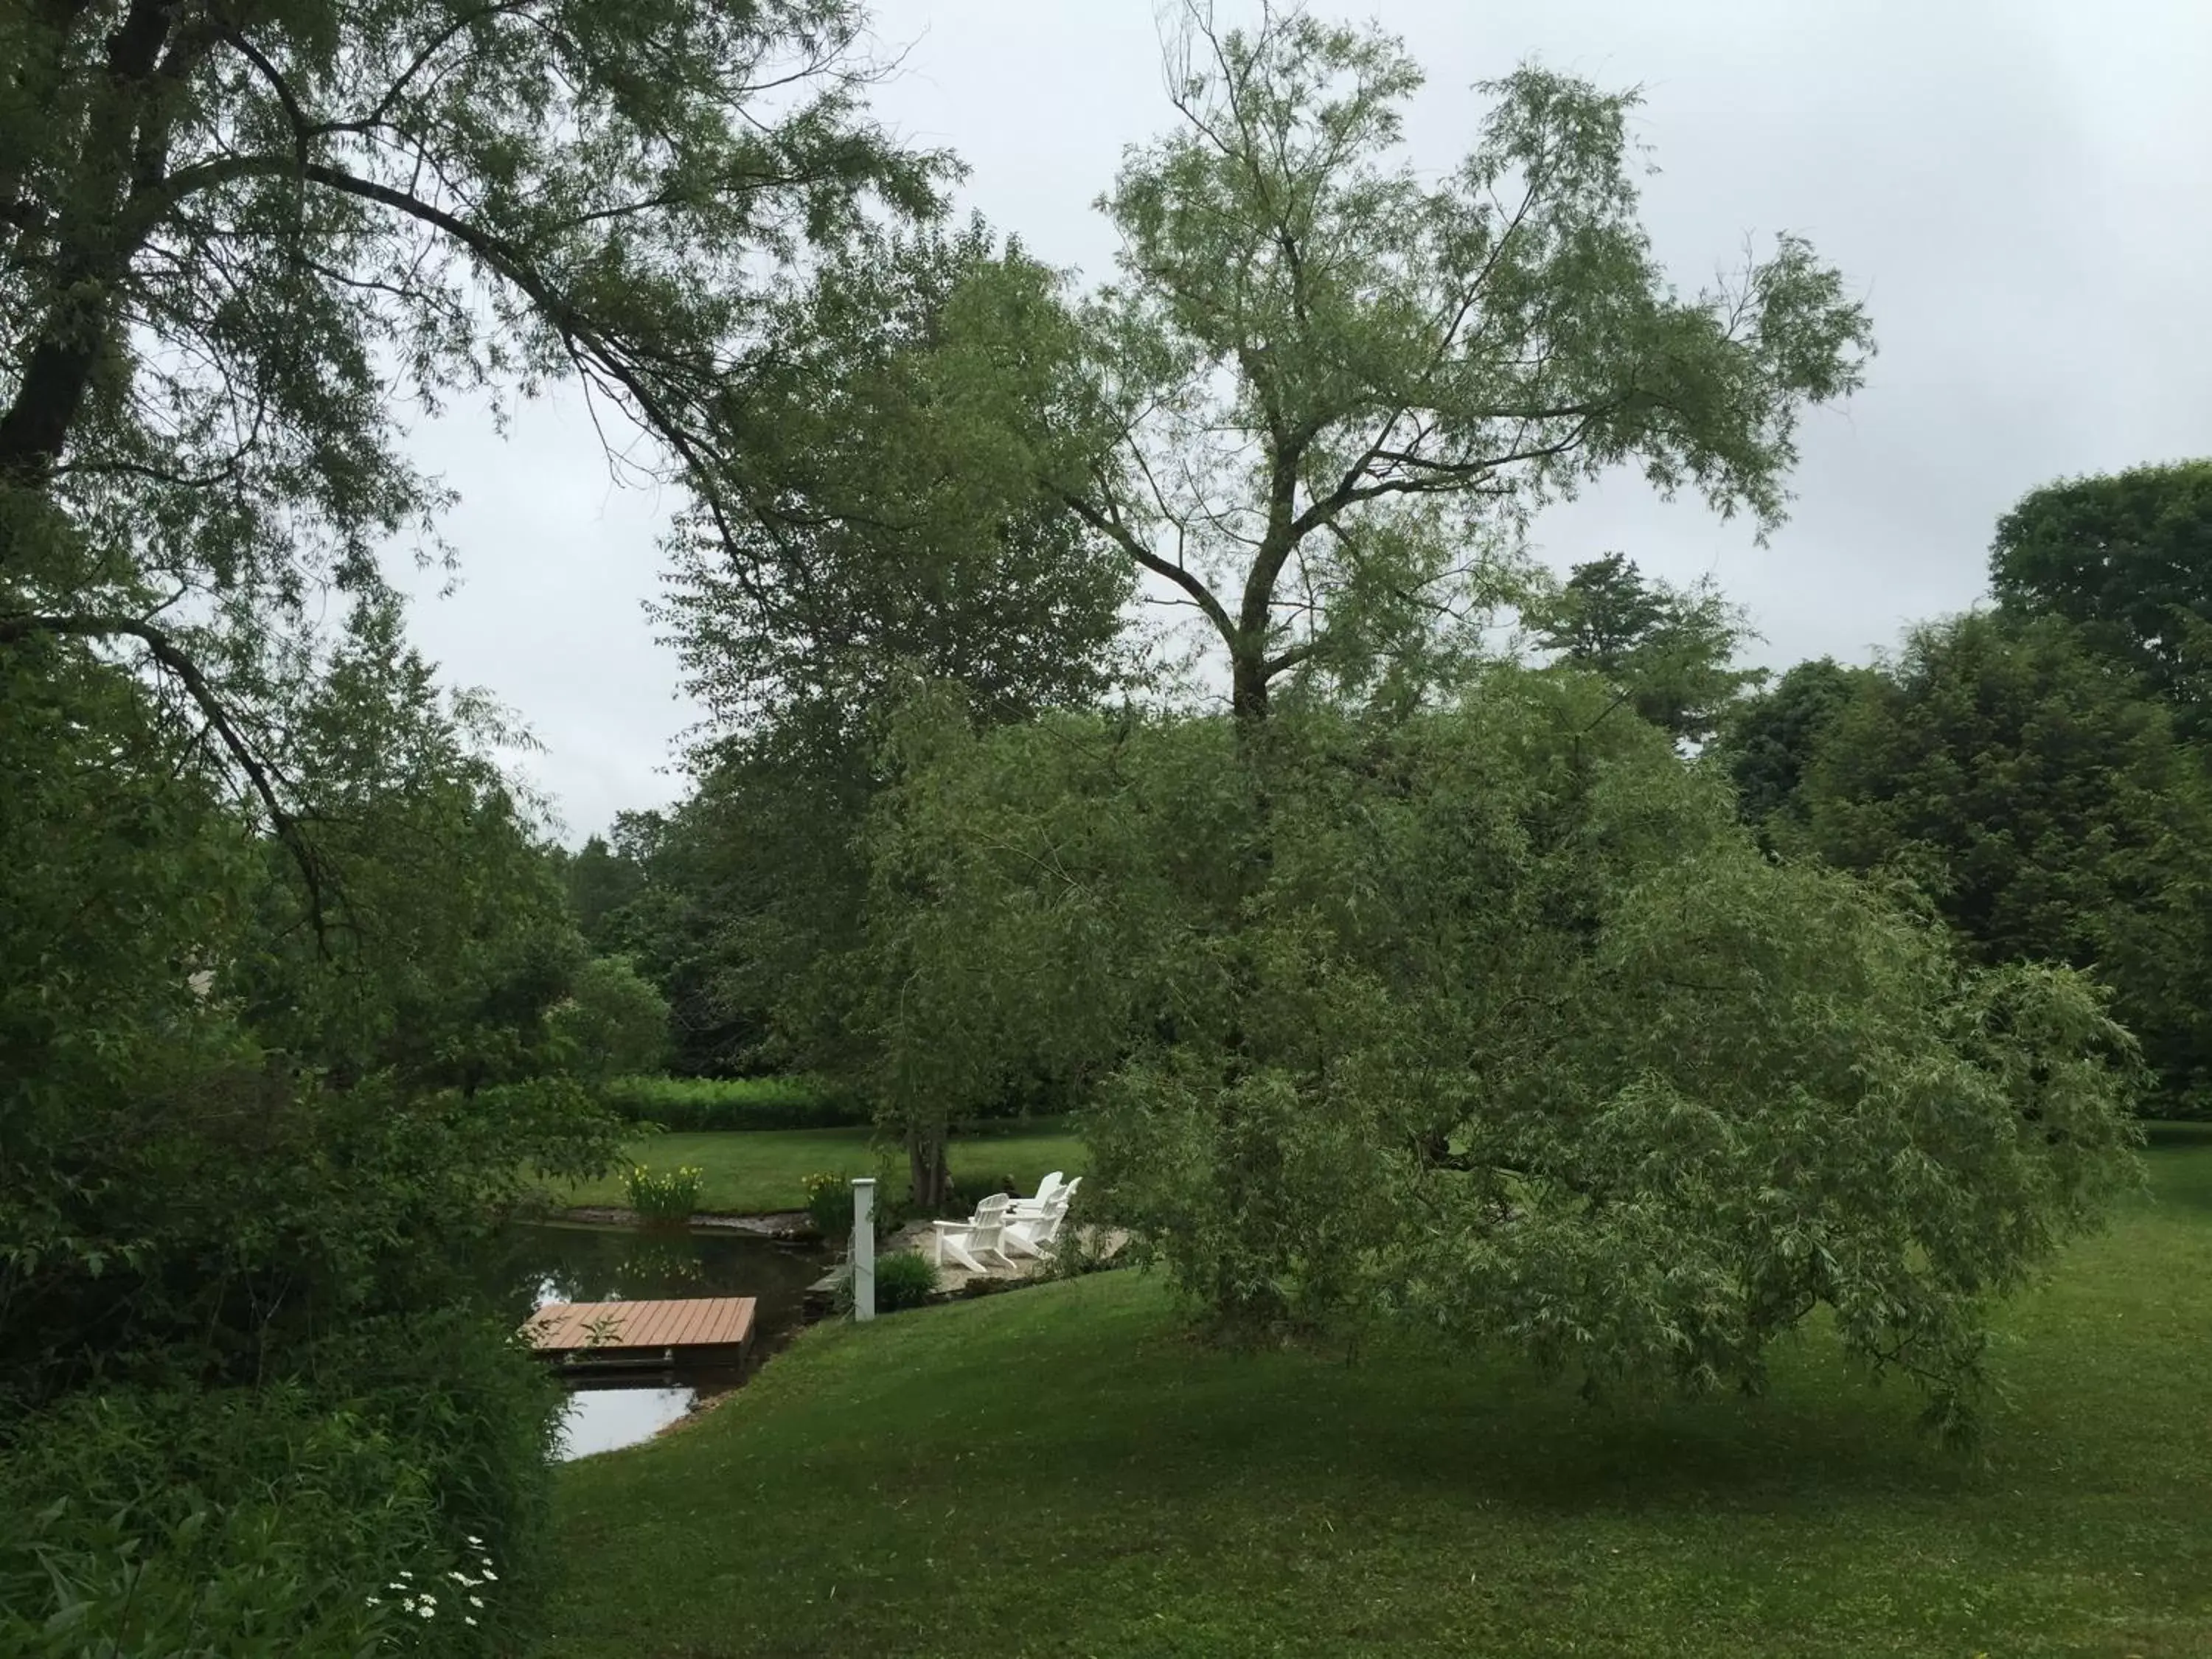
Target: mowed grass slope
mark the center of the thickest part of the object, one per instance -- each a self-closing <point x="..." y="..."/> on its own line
<point x="748" y="1172"/>
<point x="1064" y="1471"/>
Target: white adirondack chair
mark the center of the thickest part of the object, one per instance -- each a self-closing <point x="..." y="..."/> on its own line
<point x="1033" y="1235"/>
<point x="983" y="1234"/>
<point x="1036" y="1206"/>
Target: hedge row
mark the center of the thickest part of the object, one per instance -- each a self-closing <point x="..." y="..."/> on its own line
<point x="748" y="1102"/>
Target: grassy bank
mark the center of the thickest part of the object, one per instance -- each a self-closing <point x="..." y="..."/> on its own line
<point x="1065" y="1472"/>
<point x="751" y="1171"/>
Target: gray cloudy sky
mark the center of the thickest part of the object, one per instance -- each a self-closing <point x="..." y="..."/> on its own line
<point x="2022" y="190"/>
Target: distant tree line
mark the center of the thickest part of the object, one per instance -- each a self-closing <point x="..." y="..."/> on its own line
<point x="2037" y="769"/>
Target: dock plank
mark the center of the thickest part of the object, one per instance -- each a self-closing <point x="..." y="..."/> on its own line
<point x="563" y="1329"/>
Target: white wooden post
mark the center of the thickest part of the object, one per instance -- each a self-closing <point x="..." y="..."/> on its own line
<point x="864" y="1247"/>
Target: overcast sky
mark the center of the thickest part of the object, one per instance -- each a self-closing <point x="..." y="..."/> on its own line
<point x="2021" y="189"/>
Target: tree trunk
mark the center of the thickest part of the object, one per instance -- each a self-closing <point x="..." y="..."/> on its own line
<point x="1247" y="698"/>
<point x="125" y="133"/>
<point x="929" y="1179"/>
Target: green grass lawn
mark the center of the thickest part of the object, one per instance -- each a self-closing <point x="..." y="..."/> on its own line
<point x="749" y="1171"/>
<point x="1065" y="1471"/>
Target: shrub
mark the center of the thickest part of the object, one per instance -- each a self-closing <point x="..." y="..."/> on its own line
<point x="663" y="1198"/>
<point x="1079" y="1251"/>
<point x="612" y="1023"/>
<point x="906" y="1279"/>
<point x="829" y="1203"/>
<point x="744" y="1103"/>
<point x="288" y="1520"/>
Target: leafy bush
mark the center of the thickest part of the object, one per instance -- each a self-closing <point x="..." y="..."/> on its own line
<point x="829" y="1202"/>
<point x="249" y="1523"/>
<point x="613" y="1022"/>
<point x="1080" y="1250"/>
<point x="750" y="1103"/>
<point x="663" y="1198"/>
<point x="222" y="1146"/>
<point x="906" y="1279"/>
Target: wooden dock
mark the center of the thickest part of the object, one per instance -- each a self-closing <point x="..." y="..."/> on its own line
<point x="698" y="1330"/>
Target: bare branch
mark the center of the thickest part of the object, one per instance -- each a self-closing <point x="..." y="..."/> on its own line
<point x="262" y="777"/>
<point x="1110" y="524"/>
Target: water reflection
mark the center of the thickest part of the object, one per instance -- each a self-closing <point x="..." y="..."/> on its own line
<point x="601" y="1419"/>
<point x="559" y="1262"/>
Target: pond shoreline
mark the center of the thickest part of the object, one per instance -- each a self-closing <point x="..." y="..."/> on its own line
<point x="552" y="1258"/>
<point x="787" y="1226"/>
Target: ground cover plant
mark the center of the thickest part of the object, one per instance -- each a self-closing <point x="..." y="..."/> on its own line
<point x="924" y="1487"/>
<point x="754" y="1172"/>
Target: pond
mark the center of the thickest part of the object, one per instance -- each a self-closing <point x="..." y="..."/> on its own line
<point x="553" y="1261"/>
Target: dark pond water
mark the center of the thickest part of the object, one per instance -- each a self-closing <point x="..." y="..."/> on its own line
<point x="557" y="1263"/>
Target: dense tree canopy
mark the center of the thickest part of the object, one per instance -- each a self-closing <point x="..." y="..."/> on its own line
<point x="186" y="1055"/>
<point x="1517" y="1036"/>
<point x="1334" y="386"/>
<point x="1664" y="651"/>
<point x="2037" y="791"/>
<point x="612" y="1023"/>
<point x="1322" y="398"/>
<point x="893" y="526"/>
<point x="234" y="245"/>
<point x="896" y="532"/>
<point x="749" y="886"/>
<point x="601" y="883"/>
<point x="1769" y="739"/>
<point x="289" y="987"/>
<point x="2129" y="558"/>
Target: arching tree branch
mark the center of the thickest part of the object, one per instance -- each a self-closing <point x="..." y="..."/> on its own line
<point x="261" y="775"/>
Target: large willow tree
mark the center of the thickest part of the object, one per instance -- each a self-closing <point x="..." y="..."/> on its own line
<point x="1325" y="389"/>
<point x="1336" y="386"/>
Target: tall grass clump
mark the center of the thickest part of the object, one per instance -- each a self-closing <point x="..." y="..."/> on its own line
<point x="663" y="1198"/>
